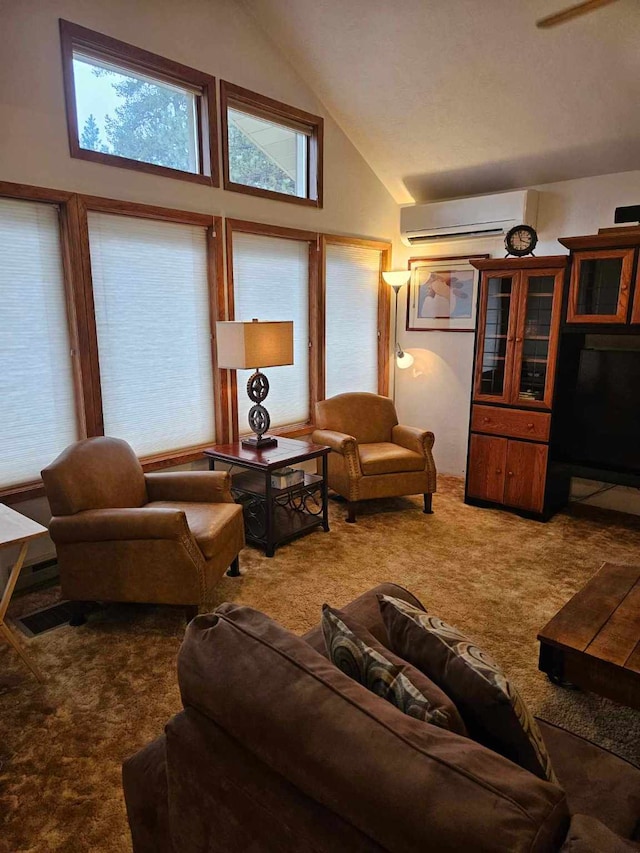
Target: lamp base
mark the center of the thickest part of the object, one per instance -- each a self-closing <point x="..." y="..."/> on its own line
<point x="259" y="442"/>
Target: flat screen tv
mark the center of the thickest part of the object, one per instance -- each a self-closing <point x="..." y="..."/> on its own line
<point x="604" y="424"/>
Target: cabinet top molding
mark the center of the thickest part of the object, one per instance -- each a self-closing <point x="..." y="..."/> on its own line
<point x="535" y="263"/>
<point x="608" y="238"/>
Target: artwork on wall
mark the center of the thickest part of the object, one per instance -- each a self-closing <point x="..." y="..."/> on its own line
<point x="443" y="294"/>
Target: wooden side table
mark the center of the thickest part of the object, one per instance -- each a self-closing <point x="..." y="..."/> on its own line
<point x="275" y="516"/>
<point x="16" y="529"/>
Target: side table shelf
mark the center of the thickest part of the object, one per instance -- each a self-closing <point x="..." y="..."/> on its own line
<point x="274" y="516"/>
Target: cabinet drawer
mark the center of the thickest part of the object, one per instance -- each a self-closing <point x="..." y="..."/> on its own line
<point x="513" y="423"/>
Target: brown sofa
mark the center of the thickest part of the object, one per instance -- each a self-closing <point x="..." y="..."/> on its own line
<point x="123" y="535"/>
<point x="278" y="750"/>
<point x="372" y="456"/>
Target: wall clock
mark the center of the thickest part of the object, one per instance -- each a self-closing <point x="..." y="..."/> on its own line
<point x="521" y="241"/>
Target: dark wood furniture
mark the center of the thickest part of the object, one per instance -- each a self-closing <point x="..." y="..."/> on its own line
<point x="520" y="303"/>
<point x="594" y="641"/>
<point x="275" y="516"/>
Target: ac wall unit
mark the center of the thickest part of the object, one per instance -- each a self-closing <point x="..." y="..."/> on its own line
<point x="464" y="218"/>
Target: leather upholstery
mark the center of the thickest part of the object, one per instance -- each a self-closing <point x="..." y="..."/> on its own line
<point x="121" y="535"/>
<point x="372" y="456"/>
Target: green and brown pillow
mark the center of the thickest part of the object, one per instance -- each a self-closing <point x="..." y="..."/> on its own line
<point x="360" y="656"/>
<point x="490" y="705"/>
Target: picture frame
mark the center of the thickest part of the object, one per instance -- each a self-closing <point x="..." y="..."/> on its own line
<point x="443" y="294"/>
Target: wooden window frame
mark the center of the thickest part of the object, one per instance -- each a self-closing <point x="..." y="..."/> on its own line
<point x="262" y="107"/>
<point x="130" y="58"/>
<point x="384" y="307"/>
<point x="226" y="299"/>
<point x="75" y="307"/>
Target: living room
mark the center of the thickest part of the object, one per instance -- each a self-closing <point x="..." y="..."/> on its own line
<point x="170" y="173"/>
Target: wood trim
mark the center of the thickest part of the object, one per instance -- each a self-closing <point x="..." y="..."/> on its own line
<point x="316" y="343"/>
<point x="635" y="314"/>
<point x="384" y="323"/>
<point x="262" y="229"/>
<point x="480" y="340"/>
<point x="29" y="193"/>
<point x="623" y="238"/>
<point x="359" y="242"/>
<point x="281" y="113"/>
<point x="554" y="337"/>
<point x="145" y="211"/>
<point x="483" y="262"/>
<point x="136" y="59"/>
<point x="174" y="457"/>
<point x="620" y="316"/>
<point x="24" y="492"/>
<point x="215" y="270"/>
<point x="321" y="317"/>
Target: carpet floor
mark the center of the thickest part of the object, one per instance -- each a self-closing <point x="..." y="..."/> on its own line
<point x="111" y="684"/>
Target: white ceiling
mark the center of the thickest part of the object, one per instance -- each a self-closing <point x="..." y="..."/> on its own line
<point x="448" y="98"/>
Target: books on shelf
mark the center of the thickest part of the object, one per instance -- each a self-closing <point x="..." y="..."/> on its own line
<point x="284" y="477"/>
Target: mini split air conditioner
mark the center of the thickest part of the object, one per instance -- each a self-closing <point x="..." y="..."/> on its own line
<point x="464" y="218"/>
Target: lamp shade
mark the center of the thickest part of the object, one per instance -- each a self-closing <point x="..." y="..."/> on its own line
<point x="397" y="278"/>
<point x="254" y="344"/>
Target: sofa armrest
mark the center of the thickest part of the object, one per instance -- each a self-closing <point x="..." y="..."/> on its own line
<point x="412" y="438"/>
<point x="342" y="443"/>
<point x="588" y="835"/>
<point x="190" y="486"/>
<point x="103" y="525"/>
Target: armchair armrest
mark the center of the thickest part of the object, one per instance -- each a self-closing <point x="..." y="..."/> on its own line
<point x="342" y="443"/>
<point x="412" y="438"/>
<point x="104" y="525"/>
<point x="190" y="486"/>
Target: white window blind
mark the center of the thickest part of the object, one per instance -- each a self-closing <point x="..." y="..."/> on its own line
<point x="37" y="410"/>
<point x="271" y="282"/>
<point x="154" y="334"/>
<point x="351" y="334"/>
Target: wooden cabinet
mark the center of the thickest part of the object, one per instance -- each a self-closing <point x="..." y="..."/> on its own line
<point x="520" y="305"/>
<point x="601" y="281"/>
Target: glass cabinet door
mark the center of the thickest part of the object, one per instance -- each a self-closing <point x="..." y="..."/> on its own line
<point x="600" y="282"/>
<point x="493" y="365"/>
<point x="537" y="337"/>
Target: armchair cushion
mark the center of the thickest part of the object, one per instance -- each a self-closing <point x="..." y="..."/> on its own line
<point x="211" y="525"/>
<point x="197" y="486"/>
<point x="108" y="525"/>
<point x="386" y="458"/>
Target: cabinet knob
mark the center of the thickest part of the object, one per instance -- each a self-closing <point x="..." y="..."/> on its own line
<point x="486" y="420"/>
<point x="518" y="340"/>
<point x="510" y="473"/>
<point x="498" y="470"/>
<point x="529" y="426"/>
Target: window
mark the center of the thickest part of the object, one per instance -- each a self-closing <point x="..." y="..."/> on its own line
<point x="354" y="329"/>
<point x="151" y="295"/>
<point x="38" y="413"/>
<point x="269" y="148"/>
<point x="130" y="108"/>
<point x="270" y="279"/>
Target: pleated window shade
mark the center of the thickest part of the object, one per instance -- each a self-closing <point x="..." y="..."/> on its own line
<point x="271" y="282"/>
<point x="352" y="276"/>
<point x="37" y="409"/>
<point x="154" y="334"/>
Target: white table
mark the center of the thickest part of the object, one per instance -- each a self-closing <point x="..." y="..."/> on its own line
<point x="16" y="529"/>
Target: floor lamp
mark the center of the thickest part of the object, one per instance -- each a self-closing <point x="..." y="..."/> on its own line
<point x="397" y="279"/>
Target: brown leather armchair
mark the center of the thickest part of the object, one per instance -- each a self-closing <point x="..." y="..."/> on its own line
<point x="372" y="455"/>
<point x="123" y="535"/>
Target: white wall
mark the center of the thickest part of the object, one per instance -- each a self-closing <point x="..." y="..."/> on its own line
<point x="435" y="392"/>
<point x="214" y="36"/>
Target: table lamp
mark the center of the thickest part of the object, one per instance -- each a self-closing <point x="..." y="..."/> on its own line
<point x="255" y="344"/>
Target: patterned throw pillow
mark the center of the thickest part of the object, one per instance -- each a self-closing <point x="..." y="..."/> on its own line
<point x="490" y="705"/>
<point x="359" y="655"/>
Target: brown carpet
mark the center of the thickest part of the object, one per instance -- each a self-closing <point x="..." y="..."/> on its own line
<point x="112" y="683"/>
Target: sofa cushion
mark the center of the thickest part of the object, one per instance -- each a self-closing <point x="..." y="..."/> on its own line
<point x="360" y="656"/>
<point x="209" y="523"/>
<point x="588" y="835"/>
<point x="386" y="458"/>
<point x="366" y="610"/>
<point x="407" y="785"/>
<point x="490" y="705"/>
<point x="597" y="782"/>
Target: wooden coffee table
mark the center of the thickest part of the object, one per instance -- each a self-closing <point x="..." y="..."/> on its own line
<point x="594" y="641"/>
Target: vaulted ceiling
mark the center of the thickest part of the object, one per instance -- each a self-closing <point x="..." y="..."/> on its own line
<point x="447" y="98"/>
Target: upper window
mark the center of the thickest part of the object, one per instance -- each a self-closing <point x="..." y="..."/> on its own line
<point x="269" y="148"/>
<point x="130" y="108"/>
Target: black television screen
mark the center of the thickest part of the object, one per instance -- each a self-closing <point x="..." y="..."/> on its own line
<point x="604" y="428"/>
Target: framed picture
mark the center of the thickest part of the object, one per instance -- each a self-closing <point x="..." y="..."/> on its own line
<point x="443" y="294"/>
